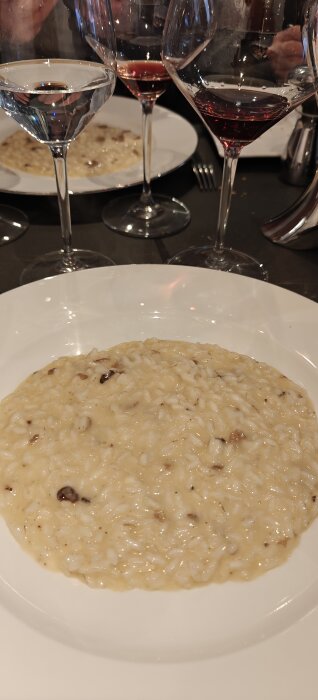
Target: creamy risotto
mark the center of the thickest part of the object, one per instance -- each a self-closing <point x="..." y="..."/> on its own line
<point x="98" y="150"/>
<point x="158" y="465"/>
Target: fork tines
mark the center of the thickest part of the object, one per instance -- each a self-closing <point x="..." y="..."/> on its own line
<point x="205" y="175"/>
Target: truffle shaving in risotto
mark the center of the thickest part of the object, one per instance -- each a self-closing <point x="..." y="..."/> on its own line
<point x="158" y="465"/>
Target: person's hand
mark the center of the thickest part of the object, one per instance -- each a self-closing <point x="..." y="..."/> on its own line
<point x="21" y="20"/>
<point x="286" y="52"/>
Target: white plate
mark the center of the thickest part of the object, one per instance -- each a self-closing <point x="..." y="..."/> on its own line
<point x="61" y="640"/>
<point x="174" y="141"/>
<point x="272" y="144"/>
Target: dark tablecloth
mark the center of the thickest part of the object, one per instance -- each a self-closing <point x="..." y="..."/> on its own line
<point x="259" y="193"/>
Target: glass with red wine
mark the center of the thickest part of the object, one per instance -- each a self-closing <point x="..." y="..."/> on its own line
<point x="139" y="25"/>
<point x="242" y="65"/>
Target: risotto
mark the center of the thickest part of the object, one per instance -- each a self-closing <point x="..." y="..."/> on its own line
<point x="98" y="150"/>
<point x="158" y="465"/>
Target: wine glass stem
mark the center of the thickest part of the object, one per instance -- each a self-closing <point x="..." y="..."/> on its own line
<point x="59" y="158"/>
<point x="147" y="111"/>
<point x="229" y="170"/>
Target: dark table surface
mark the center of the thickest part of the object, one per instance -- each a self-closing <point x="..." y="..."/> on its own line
<point x="259" y="193"/>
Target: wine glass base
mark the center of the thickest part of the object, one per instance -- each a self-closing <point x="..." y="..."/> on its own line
<point x="57" y="263"/>
<point x="229" y="260"/>
<point x="13" y="223"/>
<point x="128" y="216"/>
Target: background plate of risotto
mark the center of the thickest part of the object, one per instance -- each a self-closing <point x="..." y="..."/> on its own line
<point x="253" y="638"/>
<point x="107" y="155"/>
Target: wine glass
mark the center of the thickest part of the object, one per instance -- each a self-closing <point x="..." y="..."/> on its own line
<point x="242" y="66"/>
<point x="13" y="223"/>
<point x="57" y="69"/>
<point x="139" y="26"/>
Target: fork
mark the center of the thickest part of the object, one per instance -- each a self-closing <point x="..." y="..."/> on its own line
<point x="205" y="175"/>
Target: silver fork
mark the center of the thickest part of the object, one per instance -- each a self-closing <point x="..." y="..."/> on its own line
<point x="205" y="175"/>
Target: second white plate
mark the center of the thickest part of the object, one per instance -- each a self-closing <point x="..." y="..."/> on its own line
<point x="174" y="141"/>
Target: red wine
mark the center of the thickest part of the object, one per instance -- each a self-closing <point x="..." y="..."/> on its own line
<point x="145" y="79"/>
<point x="238" y="116"/>
<point x="54" y="100"/>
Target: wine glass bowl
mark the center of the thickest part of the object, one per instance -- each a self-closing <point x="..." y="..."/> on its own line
<point x="52" y="82"/>
<point x="242" y="66"/>
<point x="13" y="223"/>
<point x="139" y="25"/>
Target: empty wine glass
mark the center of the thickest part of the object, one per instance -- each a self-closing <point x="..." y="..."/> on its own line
<point x="139" y="26"/>
<point x="57" y="69"/>
<point x="13" y="223"/>
<point x="242" y="66"/>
